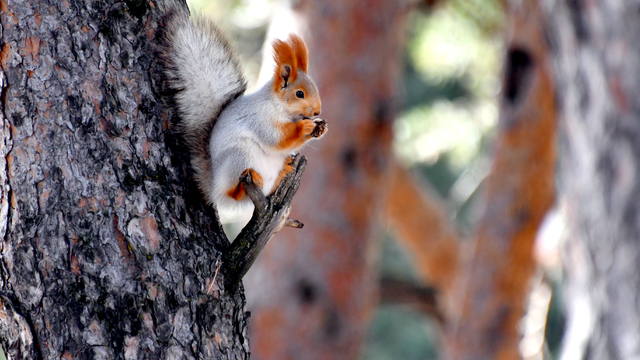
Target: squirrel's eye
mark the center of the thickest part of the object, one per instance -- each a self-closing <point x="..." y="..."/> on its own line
<point x="300" y="94"/>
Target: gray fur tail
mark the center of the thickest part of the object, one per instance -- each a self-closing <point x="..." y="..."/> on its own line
<point x="203" y="75"/>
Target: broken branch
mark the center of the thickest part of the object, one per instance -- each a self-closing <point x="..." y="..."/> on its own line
<point x="271" y="213"/>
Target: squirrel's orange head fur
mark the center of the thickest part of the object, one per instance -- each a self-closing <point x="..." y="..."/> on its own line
<point x="291" y="82"/>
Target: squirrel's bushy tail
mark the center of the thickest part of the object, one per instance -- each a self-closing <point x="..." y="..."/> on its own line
<point x="203" y="74"/>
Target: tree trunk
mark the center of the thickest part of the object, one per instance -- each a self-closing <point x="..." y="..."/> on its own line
<point x="596" y="56"/>
<point x="519" y="191"/>
<point x="107" y="252"/>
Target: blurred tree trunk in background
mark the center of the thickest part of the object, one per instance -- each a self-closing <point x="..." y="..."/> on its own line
<point x="315" y="289"/>
<point x="518" y="192"/>
<point x="102" y="257"/>
<point x="595" y="49"/>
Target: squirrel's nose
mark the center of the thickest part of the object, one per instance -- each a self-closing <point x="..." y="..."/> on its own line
<point x="316" y="113"/>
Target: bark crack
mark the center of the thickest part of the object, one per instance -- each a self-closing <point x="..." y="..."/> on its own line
<point x="5" y="189"/>
<point x="17" y="335"/>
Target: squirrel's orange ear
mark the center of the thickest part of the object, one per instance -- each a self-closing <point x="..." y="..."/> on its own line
<point x="300" y="49"/>
<point x="286" y="64"/>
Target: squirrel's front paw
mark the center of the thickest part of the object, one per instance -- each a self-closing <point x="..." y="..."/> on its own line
<point x="308" y="126"/>
<point x="319" y="129"/>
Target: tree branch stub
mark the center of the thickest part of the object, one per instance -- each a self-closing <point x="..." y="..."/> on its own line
<point x="271" y="214"/>
<point x="423" y="298"/>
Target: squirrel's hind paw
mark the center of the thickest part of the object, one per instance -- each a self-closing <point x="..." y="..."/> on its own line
<point x="254" y="177"/>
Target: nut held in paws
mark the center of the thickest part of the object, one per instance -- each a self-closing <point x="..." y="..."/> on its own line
<point x="320" y="129"/>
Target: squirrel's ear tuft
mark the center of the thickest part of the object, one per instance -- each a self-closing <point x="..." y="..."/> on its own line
<point x="300" y="50"/>
<point x="286" y="64"/>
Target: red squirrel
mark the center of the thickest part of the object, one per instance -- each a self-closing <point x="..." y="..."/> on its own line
<point x="228" y="132"/>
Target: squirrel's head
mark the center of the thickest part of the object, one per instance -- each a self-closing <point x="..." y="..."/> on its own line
<point x="291" y="83"/>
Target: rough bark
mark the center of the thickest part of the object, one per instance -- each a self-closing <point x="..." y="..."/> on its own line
<point x="316" y="288"/>
<point x="519" y="192"/>
<point x="107" y="250"/>
<point x="596" y="56"/>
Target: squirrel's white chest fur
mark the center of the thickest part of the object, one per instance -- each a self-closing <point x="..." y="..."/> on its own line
<point x="242" y="139"/>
